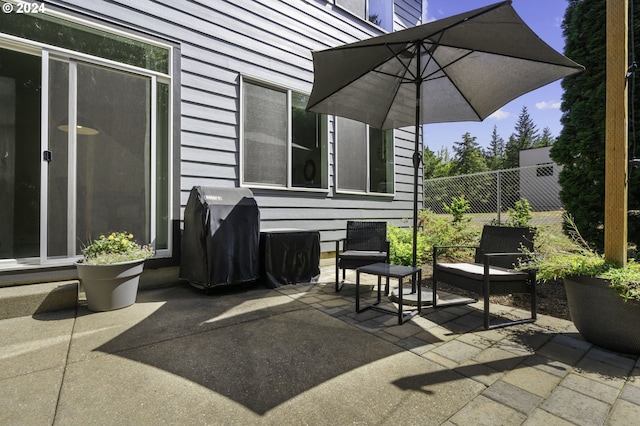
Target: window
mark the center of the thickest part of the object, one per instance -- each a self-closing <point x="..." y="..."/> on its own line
<point x="103" y="128"/>
<point x="282" y="144"/>
<point x="378" y="12"/>
<point x="545" y="169"/>
<point x="365" y="158"/>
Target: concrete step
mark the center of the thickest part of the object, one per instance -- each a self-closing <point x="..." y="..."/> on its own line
<point x="23" y="300"/>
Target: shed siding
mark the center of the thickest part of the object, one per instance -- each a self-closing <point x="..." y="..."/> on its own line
<point x="269" y="40"/>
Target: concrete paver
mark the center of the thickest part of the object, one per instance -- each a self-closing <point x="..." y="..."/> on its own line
<point x="299" y="354"/>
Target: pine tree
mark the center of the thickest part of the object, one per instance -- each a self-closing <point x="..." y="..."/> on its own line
<point x="524" y="137"/>
<point x="437" y="164"/>
<point x="429" y="162"/>
<point x="494" y="156"/>
<point x="546" y="139"/>
<point x="468" y="156"/>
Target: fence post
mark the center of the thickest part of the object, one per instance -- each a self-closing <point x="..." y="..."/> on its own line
<point x="498" y="195"/>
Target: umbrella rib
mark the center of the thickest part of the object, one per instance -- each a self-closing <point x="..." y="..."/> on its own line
<point x="522" y="58"/>
<point x="403" y="78"/>
<point x="443" y="69"/>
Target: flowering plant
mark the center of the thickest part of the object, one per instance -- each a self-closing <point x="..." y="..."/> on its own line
<point x="114" y="248"/>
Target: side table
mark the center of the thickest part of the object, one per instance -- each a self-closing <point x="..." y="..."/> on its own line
<point x="391" y="271"/>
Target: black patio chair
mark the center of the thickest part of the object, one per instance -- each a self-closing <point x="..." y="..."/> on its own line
<point x="366" y="243"/>
<point x="493" y="271"/>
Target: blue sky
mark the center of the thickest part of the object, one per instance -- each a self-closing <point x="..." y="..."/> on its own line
<point x="545" y="19"/>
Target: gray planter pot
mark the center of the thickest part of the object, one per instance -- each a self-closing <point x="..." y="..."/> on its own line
<point x="110" y="287"/>
<point x="601" y="316"/>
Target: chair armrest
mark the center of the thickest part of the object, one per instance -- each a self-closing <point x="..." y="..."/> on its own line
<point x="436" y="248"/>
<point x="487" y="256"/>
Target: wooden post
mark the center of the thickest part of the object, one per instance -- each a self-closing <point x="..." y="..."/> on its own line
<point x="616" y="144"/>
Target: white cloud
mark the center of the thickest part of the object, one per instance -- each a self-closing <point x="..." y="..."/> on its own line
<point x="500" y="115"/>
<point x="548" y="105"/>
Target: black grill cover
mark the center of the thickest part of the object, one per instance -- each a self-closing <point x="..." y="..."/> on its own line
<point x="220" y="243"/>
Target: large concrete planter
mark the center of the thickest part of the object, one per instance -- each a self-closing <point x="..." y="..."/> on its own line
<point x="601" y="316"/>
<point x="112" y="286"/>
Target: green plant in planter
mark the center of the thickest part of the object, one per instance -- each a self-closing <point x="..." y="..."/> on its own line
<point x="114" y="248"/>
<point x="554" y="259"/>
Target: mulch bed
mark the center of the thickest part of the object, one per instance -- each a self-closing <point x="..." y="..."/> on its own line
<point x="551" y="298"/>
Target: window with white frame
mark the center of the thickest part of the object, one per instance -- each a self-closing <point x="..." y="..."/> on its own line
<point x="283" y="145"/>
<point x="103" y="132"/>
<point x="365" y="158"/>
<point x="378" y="12"/>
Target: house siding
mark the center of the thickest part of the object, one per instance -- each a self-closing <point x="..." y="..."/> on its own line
<point x="268" y="40"/>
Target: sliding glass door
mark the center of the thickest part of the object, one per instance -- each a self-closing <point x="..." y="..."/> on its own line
<point x="20" y="83"/>
<point x="99" y="173"/>
<point x="84" y="150"/>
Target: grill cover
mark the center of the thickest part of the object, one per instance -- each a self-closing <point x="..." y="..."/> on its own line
<point x="220" y="243"/>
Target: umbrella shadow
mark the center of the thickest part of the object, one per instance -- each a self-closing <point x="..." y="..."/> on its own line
<point x="256" y="347"/>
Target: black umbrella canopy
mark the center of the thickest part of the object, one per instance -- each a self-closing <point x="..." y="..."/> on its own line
<point x="467" y="67"/>
<point x="461" y="68"/>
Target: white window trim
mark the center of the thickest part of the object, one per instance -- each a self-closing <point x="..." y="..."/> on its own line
<point x="289" y="187"/>
<point x="367" y="192"/>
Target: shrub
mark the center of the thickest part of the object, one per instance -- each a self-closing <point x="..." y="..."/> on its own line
<point x="438" y="231"/>
<point x="458" y="208"/>
<point x="401" y="245"/>
<point x="521" y="214"/>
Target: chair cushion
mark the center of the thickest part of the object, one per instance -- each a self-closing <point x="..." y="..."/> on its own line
<point x="363" y="254"/>
<point x="475" y="271"/>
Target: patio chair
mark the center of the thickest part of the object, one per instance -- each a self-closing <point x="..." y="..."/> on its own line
<point x="366" y="243"/>
<point x="492" y="272"/>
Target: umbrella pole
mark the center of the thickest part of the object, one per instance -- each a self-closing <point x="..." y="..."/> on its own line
<point x="417" y="155"/>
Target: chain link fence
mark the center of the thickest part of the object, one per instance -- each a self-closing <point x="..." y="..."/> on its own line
<point x="492" y="194"/>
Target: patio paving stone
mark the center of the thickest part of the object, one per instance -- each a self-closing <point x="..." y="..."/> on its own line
<point x="532" y="380"/>
<point x="482" y="373"/>
<point x="592" y="388"/>
<point x="513" y="396"/>
<point x="540" y="417"/>
<point x="562" y="353"/>
<point x="631" y="393"/>
<point x="547" y="365"/>
<point x="576" y="407"/>
<point x="457" y="351"/>
<point x="622" y="413"/>
<point x="605" y="373"/>
<point x="483" y="411"/>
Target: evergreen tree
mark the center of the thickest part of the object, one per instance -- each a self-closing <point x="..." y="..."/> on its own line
<point x="444" y="165"/>
<point x="511" y="153"/>
<point x="580" y="148"/>
<point x="546" y="139"/>
<point x="524" y="137"/>
<point x="494" y="155"/>
<point x="468" y="156"/>
<point x="437" y="164"/>
<point x="429" y="162"/>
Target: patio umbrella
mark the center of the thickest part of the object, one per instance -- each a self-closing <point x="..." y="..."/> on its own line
<point x="461" y="68"/>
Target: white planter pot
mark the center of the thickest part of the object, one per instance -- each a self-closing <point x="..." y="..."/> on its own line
<point x="110" y="287"/>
